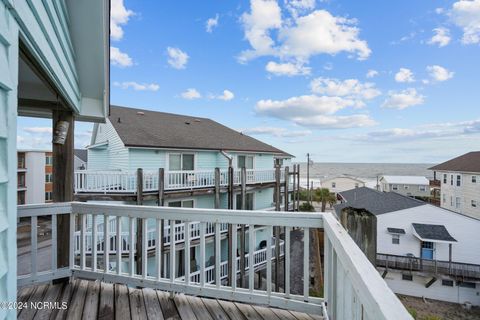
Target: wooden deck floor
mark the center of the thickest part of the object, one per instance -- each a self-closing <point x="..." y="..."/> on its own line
<point x="99" y="300"/>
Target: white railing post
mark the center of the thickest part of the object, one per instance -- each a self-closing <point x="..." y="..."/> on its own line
<point x="83" y="224"/>
<point x="131" y="244"/>
<point x="172" y="251"/>
<point x="158" y="248"/>
<point x="187" y="252"/>
<point x="106" y="243"/>
<point x="306" y="263"/>
<point x="233" y="266"/>
<point x="251" y="257"/>
<point x="287" y="262"/>
<point x="269" y="261"/>
<point x="119" y="245"/>
<point x="217" y="255"/>
<point x="203" y="225"/>
<point x="94" y="242"/>
<point x="144" y="254"/>
<point x="34" y="245"/>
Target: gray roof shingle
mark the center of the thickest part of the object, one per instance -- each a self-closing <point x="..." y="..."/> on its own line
<point x="375" y="201"/>
<point x="469" y="162"/>
<point x="433" y="232"/>
<point x="146" y="128"/>
<point x="82" y="154"/>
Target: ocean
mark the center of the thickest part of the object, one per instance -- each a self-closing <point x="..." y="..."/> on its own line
<point x="321" y="170"/>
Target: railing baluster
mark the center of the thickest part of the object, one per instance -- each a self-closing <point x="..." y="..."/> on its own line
<point x="172" y="251"/>
<point x="306" y="264"/>
<point x="251" y="250"/>
<point x="203" y="225"/>
<point x="72" y="241"/>
<point x="131" y="252"/>
<point x="106" y="243"/>
<point x="34" y="245"/>
<point x="269" y="260"/>
<point x="54" y="242"/>
<point x="119" y="245"/>
<point x="144" y="248"/>
<point x="158" y="248"/>
<point x="233" y="267"/>
<point x="287" y="262"/>
<point x="218" y="279"/>
<point x="187" y="252"/>
<point x="94" y="242"/>
<point x="83" y="225"/>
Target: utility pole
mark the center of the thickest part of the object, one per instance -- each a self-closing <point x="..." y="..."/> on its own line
<point x="308" y="178"/>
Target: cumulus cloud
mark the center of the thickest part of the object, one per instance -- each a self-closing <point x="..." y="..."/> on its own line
<point x="276" y="132"/>
<point x="439" y="73"/>
<point x="191" y="94"/>
<point x="119" y="15"/>
<point x="441" y="37"/>
<point x="371" y="73"/>
<point x="40" y="130"/>
<point x="137" y="86"/>
<point x="211" y="24"/>
<point x="466" y="15"/>
<point x="40" y="138"/>
<point x="351" y="88"/>
<point x="177" y="58"/>
<point x="227" y="95"/>
<point x="119" y="58"/>
<point x="404" y="75"/>
<point x="300" y="36"/>
<point x="287" y="69"/>
<point x="403" y="99"/>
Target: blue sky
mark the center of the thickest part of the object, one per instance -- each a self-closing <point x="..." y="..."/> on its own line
<point x="347" y="81"/>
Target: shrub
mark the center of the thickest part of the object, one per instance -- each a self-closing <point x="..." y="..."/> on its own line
<point x="412" y="312"/>
<point x="306" y="207"/>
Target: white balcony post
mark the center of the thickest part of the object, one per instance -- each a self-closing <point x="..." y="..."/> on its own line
<point x="202" y="254"/>
<point x="119" y="245"/>
<point x="94" y="243"/>
<point x="187" y="252"/>
<point x="131" y="243"/>
<point x="251" y="256"/>
<point x="218" y="279"/>
<point x="306" y="263"/>
<point x="158" y="248"/>
<point x="106" y="243"/>
<point x="172" y="251"/>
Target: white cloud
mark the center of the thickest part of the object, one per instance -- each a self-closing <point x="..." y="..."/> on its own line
<point x="404" y="75"/>
<point x="40" y="130"/>
<point x="297" y="7"/>
<point x="177" y="58"/>
<point x="438" y="73"/>
<point x="226" y="96"/>
<point x="351" y="88"/>
<point x="371" y="73"/>
<point x="119" y="16"/>
<point x="119" y="58"/>
<point x="441" y="37"/>
<point x="191" y="94"/>
<point x="276" y="132"/>
<point x="403" y="99"/>
<point x="466" y="15"/>
<point x="298" y="37"/>
<point x="287" y="69"/>
<point x="337" y="122"/>
<point x="211" y="23"/>
<point x="137" y="86"/>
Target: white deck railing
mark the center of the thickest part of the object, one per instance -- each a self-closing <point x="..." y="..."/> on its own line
<point x="353" y="289"/>
<point x="126" y="181"/>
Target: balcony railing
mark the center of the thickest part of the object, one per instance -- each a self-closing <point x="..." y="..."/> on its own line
<point x="126" y="181"/>
<point x="451" y="268"/>
<point x="353" y="289"/>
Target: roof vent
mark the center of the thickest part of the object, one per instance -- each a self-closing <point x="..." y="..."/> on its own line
<point x="187" y="122"/>
<point x="118" y="120"/>
<point x="140" y="113"/>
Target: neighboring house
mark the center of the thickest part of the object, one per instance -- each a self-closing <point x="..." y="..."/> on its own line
<point x="460" y="184"/>
<point x="189" y="149"/>
<point x="421" y="250"/>
<point x="80" y="159"/>
<point x="34" y="177"/>
<point x="412" y="186"/>
<point x="342" y="183"/>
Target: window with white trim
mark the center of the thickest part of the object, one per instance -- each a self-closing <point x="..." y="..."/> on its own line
<point x="459" y="180"/>
<point x="395" y="239"/>
<point x="451" y="179"/>
<point x="244" y="162"/>
<point x="474" y="179"/>
<point x="181" y="161"/>
<point x="474" y="203"/>
<point x="48" y="177"/>
<point x="444" y="198"/>
<point x="457" y="202"/>
<point x="422" y="188"/>
<point x="445" y="178"/>
<point x="394" y="187"/>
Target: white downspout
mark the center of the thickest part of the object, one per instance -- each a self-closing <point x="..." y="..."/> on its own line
<point x="229" y="158"/>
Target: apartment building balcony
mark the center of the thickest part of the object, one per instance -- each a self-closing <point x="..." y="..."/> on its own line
<point x="352" y="287"/>
<point x="458" y="270"/>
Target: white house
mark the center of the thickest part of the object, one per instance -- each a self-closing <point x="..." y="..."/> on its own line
<point x="342" y="183"/>
<point x="412" y="186"/>
<point x="34" y="175"/>
<point x="460" y="184"/>
<point x="422" y="250"/>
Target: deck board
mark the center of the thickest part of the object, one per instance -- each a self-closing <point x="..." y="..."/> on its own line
<point x="100" y="300"/>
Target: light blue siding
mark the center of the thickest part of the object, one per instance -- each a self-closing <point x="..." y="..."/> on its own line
<point x="146" y="159"/>
<point x="117" y="155"/>
<point x="206" y="160"/>
<point x="263" y="199"/>
<point x="98" y="159"/>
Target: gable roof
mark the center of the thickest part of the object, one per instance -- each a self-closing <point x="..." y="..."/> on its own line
<point x="469" y="162"/>
<point x="153" y="129"/>
<point x="344" y="177"/>
<point x="417" y="180"/>
<point x="435" y="232"/>
<point x="82" y="154"/>
<point x="375" y="201"/>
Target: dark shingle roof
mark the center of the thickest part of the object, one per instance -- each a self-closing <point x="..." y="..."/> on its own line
<point x="146" y="128"/>
<point x="432" y="232"/>
<point x="469" y="162"/>
<point x="82" y="154"/>
<point x="375" y="201"/>
<point x="396" y="230"/>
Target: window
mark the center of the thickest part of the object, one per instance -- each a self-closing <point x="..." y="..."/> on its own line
<point x="451" y="201"/>
<point x="405" y="187"/>
<point x="444" y="198"/>
<point x="21" y="160"/>
<point x="474" y="179"/>
<point x="245" y="162"/>
<point x="445" y="178"/>
<point x="21" y="180"/>
<point x="21" y="197"/>
<point x="48" y="160"/>
<point x="248" y="201"/>
<point x="474" y="203"/>
<point x="356" y="185"/>
<point x="181" y="161"/>
<point x="181" y="204"/>
<point x="278" y="162"/>
<point x="334" y="184"/>
<point x="451" y="179"/>
<point x="459" y="180"/>
<point x="407" y="277"/>
<point x="395" y="239"/>
<point x="465" y="284"/>
<point x="422" y="188"/>
<point x="457" y="202"/>
<point x="48" y="177"/>
<point x="48" y="196"/>
<point x="394" y="187"/>
<point x="447" y="283"/>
